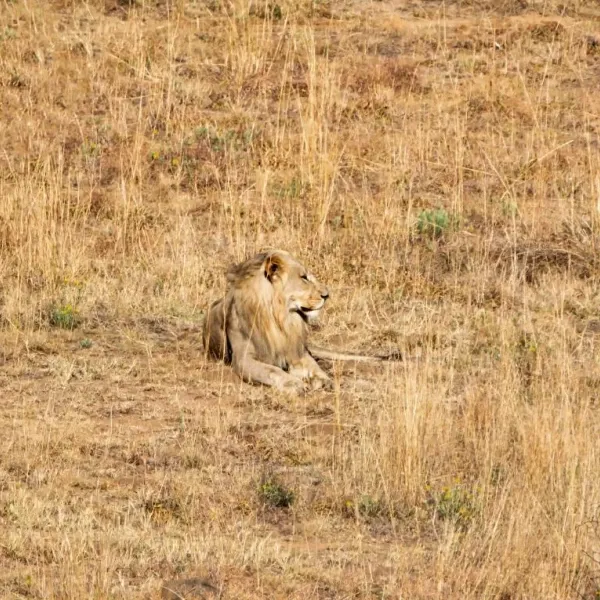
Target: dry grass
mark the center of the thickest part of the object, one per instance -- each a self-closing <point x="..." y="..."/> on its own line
<point x="146" y="145"/>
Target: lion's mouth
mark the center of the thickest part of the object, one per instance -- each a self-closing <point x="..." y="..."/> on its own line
<point x="309" y="315"/>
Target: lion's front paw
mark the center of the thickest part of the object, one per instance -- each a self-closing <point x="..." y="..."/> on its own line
<point x="321" y="383"/>
<point x="293" y="386"/>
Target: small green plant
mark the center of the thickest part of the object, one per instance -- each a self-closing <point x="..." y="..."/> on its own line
<point x="433" y="222"/>
<point x="273" y="493"/>
<point x="453" y="503"/>
<point x="85" y="343"/>
<point x="510" y="208"/>
<point x="63" y="311"/>
<point x="364" y="506"/>
<point x="91" y="149"/>
<point x="8" y="33"/>
<point x="64" y="316"/>
<point x="368" y="506"/>
<point x="295" y="188"/>
<point x="219" y="141"/>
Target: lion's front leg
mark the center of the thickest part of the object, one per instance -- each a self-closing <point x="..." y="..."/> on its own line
<point x="308" y="369"/>
<point x="251" y="370"/>
<point x="254" y="371"/>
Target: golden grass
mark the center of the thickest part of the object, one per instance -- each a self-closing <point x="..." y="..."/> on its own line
<point x="146" y="145"/>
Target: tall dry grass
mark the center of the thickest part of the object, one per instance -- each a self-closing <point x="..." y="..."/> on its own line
<point x="147" y="145"/>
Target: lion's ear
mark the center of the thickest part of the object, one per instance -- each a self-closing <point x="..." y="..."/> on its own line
<point x="272" y="266"/>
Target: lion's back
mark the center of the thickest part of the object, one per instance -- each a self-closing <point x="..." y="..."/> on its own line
<point x="214" y="332"/>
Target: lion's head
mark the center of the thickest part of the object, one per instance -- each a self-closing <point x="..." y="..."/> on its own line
<point x="284" y="280"/>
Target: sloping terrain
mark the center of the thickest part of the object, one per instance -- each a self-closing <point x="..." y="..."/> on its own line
<point x="437" y="164"/>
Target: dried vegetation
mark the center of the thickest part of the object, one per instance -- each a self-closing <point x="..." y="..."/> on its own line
<point x="436" y="163"/>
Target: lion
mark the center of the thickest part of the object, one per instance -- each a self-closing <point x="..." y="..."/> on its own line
<point x="260" y="326"/>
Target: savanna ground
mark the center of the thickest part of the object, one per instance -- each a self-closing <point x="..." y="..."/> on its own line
<point x="436" y="163"/>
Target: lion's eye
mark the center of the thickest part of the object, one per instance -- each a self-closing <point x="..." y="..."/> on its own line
<point x="304" y="278"/>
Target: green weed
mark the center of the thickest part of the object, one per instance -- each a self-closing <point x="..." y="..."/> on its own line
<point x="454" y="503"/>
<point x="273" y="493"/>
<point x="433" y="223"/>
<point x="64" y="316"/>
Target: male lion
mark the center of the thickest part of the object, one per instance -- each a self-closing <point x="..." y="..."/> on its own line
<point x="260" y="326"/>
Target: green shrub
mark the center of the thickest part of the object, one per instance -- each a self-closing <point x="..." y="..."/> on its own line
<point x="272" y="493"/>
<point x="64" y="316"/>
<point x="454" y="503"/>
<point x="433" y="222"/>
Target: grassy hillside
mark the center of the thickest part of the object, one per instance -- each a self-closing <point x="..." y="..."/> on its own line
<point x="437" y="164"/>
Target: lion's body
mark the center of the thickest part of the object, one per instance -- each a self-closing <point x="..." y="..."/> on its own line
<point x="260" y="325"/>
